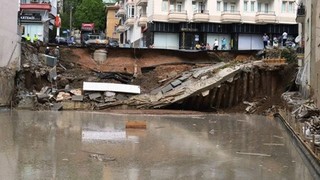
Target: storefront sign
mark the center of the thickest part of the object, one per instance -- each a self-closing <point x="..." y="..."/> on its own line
<point x="189" y="29"/>
<point x="30" y="18"/>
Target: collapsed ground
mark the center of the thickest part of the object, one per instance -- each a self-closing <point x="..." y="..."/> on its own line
<point x="148" y="68"/>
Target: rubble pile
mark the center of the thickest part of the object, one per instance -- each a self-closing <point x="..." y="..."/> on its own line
<point x="307" y="115"/>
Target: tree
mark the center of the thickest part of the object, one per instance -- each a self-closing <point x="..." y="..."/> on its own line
<point x="90" y="11"/>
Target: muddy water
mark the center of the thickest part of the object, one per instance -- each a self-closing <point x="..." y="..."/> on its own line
<point x="86" y="145"/>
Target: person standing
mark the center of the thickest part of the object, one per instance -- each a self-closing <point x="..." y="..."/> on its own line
<point x="284" y="38"/>
<point x="57" y="53"/>
<point x="208" y="47"/>
<point x="215" y="44"/>
<point x="28" y="38"/>
<point x="47" y="51"/>
<point x="265" y="39"/>
<point x="223" y="44"/>
<point x="35" y="38"/>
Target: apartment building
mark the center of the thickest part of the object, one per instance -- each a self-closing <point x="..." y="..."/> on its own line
<point x="309" y="75"/>
<point x="180" y="24"/>
<point x="37" y="17"/>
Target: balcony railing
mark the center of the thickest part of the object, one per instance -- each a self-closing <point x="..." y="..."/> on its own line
<point x="143" y="20"/>
<point x="120" y="29"/>
<point x="177" y="16"/>
<point x="35" y="5"/>
<point x="121" y="12"/>
<point x="142" y="3"/>
<point x="201" y="16"/>
<point x="265" y="17"/>
<point x="230" y="16"/>
<point x="130" y="21"/>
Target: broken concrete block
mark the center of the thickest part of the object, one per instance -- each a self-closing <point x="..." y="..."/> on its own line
<point x="93" y="96"/>
<point x="121" y="97"/>
<point x="167" y="88"/>
<point x="176" y="83"/>
<point x="184" y="77"/>
<point x="77" y="98"/>
<point x="109" y="94"/>
<point x="75" y="105"/>
<point x="51" y="61"/>
<point x="77" y="92"/>
<point x="56" y="107"/>
<point x="63" y="96"/>
<point x="42" y="97"/>
<point x="109" y="99"/>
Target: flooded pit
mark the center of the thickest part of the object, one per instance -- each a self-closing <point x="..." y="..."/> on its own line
<point x="91" y="145"/>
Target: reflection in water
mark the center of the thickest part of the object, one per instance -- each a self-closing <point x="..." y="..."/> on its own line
<point x="59" y="145"/>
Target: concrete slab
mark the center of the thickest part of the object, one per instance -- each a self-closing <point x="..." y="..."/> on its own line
<point x="77" y="98"/>
<point x="113" y="87"/>
<point x="93" y="96"/>
<point x="176" y="83"/>
<point x="167" y="88"/>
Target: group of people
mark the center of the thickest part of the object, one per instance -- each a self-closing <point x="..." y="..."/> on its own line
<point x="215" y="45"/>
<point x="56" y="52"/>
<point x="266" y="40"/>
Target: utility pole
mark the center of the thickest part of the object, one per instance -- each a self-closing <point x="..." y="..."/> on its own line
<point x="71" y="7"/>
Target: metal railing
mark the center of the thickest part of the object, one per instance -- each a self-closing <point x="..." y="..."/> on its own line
<point x="265" y="13"/>
<point x="177" y="12"/>
<point x="200" y="11"/>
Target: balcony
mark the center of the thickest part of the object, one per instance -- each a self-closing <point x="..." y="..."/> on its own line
<point x="201" y="16"/>
<point x="301" y="13"/>
<point x="230" y="16"/>
<point x="129" y="22"/>
<point x="34" y="5"/>
<point x="143" y="20"/>
<point x="142" y="3"/>
<point x="265" y="17"/>
<point x="121" y="29"/>
<point x="121" y="12"/>
<point x="177" y="16"/>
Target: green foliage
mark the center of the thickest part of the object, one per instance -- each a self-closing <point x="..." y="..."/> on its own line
<point x="90" y="11"/>
<point x="289" y="54"/>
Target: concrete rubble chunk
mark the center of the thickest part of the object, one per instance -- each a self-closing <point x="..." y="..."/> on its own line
<point x="56" y="107"/>
<point x="94" y="96"/>
<point x="63" y="96"/>
<point x="51" y="61"/>
<point x="205" y="93"/>
<point x="77" y="92"/>
<point x="121" y="97"/>
<point x="167" y="88"/>
<point x="184" y="77"/>
<point x="109" y="94"/>
<point x="52" y="74"/>
<point x="77" y="98"/>
<point x="176" y="83"/>
<point x="41" y="96"/>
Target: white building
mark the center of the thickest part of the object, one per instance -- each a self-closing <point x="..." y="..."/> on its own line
<point x="180" y="24"/>
<point x="37" y="17"/>
<point x="9" y="34"/>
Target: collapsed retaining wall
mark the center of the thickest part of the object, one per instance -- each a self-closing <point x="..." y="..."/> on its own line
<point x="245" y="85"/>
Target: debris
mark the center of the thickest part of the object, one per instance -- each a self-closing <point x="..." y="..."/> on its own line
<point x="63" y="96"/>
<point x="56" y="106"/>
<point x="136" y="124"/>
<point x="98" y="86"/>
<point x="77" y="98"/>
<point x="254" y="154"/>
<point x="94" y="96"/>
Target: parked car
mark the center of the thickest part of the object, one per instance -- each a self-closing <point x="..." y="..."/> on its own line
<point x="113" y="43"/>
<point x="96" y="40"/>
<point x="61" y="40"/>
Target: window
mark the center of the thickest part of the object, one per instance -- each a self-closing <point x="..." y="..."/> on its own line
<point x="130" y="10"/>
<point x="218" y="5"/>
<point x="283" y="6"/>
<point x="194" y="6"/>
<point x="290" y="7"/>
<point x="245" y="6"/>
<point x="266" y="7"/>
<point x="164" y="5"/>
<point x="171" y="5"/>
<point x="259" y="7"/>
<point x="225" y="6"/>
<point x="233" y="7"/>
<point x="179" y="6"/>
<point x="252" y="6"/>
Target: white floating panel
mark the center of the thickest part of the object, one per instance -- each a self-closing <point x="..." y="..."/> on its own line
<point x="113" y="87"/>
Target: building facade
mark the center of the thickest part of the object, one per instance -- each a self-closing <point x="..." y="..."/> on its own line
<point x="180" y="24"/>
<point x="309" y="74"/>
<point x="37" y="18"/>
<point x="112" y="21"/>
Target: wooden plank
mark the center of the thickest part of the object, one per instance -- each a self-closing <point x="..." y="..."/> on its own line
<point x="98" y="86"/>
